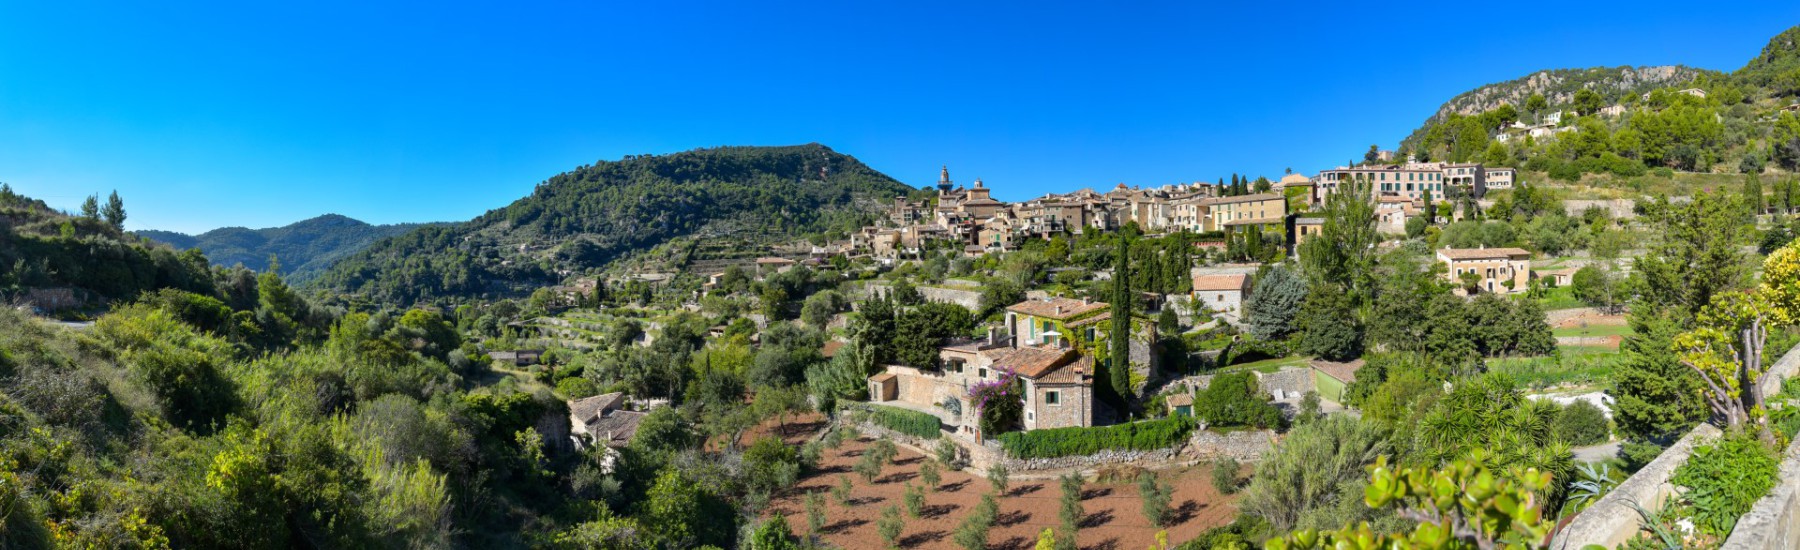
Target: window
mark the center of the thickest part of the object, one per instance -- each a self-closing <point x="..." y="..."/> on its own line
<point x="982" y="372"/>
<point x="1221" y="297"/>
<point x="1052" y="398"/>
<point x="1029" y="416"/>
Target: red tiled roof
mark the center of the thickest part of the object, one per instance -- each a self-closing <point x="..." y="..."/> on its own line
<point x="1089" y="320"/>
<point x="1079" y="372"/>
<point x="883" y="377"/>
<point x="1055" y="308"/>
<point x="1180" y="399"/>
<point x="1035" y="362"/>
<point x="1229" y="281"/>
<point x="1343" y="372"/>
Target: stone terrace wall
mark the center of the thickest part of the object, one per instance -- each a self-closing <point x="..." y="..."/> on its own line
<point x="1611" y="521"/>
<point x="1243" y="446"/>
<point x="1774" y="522"/>
<point x="966" y="298"/>
<point x="1293" y="381"/>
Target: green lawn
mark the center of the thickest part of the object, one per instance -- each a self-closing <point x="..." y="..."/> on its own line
<point x="1594" y="330"/>
<point x="1559" y="298"/>
<point x="1586" y="365"/>
<point x="1267" y="366"/>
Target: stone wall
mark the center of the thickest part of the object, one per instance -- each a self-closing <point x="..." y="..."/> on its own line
<point x="1775" y="519"/>
<point x="1774" y="522"/>
<point x="991" y="450"/>
<point x="966" y="298"/>
<point x="1293" y="382"/>
<point x="1611" y="521"/>
<point x="1243" y="446"/>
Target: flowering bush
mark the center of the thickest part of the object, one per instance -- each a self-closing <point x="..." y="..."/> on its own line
<point x="998" y="402"/>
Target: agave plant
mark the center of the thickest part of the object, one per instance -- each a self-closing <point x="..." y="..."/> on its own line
<point x="1594" y="480"/>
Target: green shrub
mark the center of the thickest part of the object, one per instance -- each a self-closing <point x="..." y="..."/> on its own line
<point x="1136" y="436"/>
<point x="1225" y="475"/>
<point x="1580" y="424"/>
<point x="1724" y="479"/>
<point x="1236" y="399"/>
<point x="913" y="423"/>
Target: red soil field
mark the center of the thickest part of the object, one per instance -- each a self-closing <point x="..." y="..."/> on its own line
<point x="1115" y="519"/>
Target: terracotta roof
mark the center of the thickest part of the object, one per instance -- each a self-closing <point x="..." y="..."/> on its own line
<point x="1085" y="321"/>
<point x="831" y="348"/>
<point x="1180" y="399"/>
<point x="1481" y="253"/>
<point x="1055" y="308"/>
<point x="1231" y="281"/>
<point x="1560" y="271"/>
<point x="1035" y="362"/>
<point x="1343" y="372"/>
<point x="1079" y="372"/>
<point x="883" y="377"/>
<point x="1309" y="221"/>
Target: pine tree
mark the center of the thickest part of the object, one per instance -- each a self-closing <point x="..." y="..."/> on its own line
<point x="90" y="208"/>
<point x="114" y="212"/>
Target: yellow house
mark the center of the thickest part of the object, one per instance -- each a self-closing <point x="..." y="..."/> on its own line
<point x="1497" y="270"/>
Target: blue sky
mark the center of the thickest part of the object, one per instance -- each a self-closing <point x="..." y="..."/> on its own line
<point x="259" y="114"/>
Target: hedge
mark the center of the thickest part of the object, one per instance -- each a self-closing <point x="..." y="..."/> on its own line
<point x="913" y="423"/>
<point x="1057" y="442"/>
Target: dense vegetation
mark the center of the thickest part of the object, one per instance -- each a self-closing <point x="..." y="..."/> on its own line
<point x="1136" y="436"/>
<point x="1739" y="125"/>
<point x="305" y="248"/>
<point x="913" y="423"/>
<point x="585" y="219"/>
<point x="88" y="254"/>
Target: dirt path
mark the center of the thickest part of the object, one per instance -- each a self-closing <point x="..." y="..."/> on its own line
<point x="1115" y="517"/>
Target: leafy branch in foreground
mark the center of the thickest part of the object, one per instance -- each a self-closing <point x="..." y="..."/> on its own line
<point x="1462" y="506"/>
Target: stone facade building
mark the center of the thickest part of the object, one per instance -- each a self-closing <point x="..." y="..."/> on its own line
<point x="1499" y="270"/>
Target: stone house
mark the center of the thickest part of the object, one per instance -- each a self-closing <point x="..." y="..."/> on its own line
<point x="1499" y="270"/>
<point x="1042" y="321"/>
<point x="1223" y="293"/>
<point x="603" y="420"/>
<point x="1058" y="384"/>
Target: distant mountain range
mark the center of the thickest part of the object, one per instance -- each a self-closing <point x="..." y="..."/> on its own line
<point x="587" y="219"/>
<point x="304" y="248"/>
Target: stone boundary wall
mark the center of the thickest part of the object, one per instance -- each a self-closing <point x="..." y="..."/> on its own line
<point x="966" y="298"/>
<point x="1243" y="446"/>
<point x="1293" y="381"/>
<point x="1611" y="521"/>
<point x="1774" y="522"/>
<point x="1587" y="341"/>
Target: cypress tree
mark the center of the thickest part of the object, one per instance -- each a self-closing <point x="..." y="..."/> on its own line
<point x="1121" y="317"/>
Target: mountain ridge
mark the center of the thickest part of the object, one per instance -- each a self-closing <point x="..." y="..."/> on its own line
<point x="585" y="220"/>
<point x="304" y="248"/>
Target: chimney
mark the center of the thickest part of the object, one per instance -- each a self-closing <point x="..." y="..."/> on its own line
<point x="993" y="335"/>
<point x="1059" y="310"/>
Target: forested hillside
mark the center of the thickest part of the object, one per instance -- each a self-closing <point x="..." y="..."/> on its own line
<point x="1626" y="121"/>
<point x="86" y="258"/>
<point x="305" y="248"/>
<point x="584" y="219"/>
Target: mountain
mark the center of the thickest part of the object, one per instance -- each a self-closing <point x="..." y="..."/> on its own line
<point x="587" y="219"/>
<point x="1558" y="87"/>
<point x="56" y="261"/>
<point x="305" y="248"/>
<point x="1629" y="121"/>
